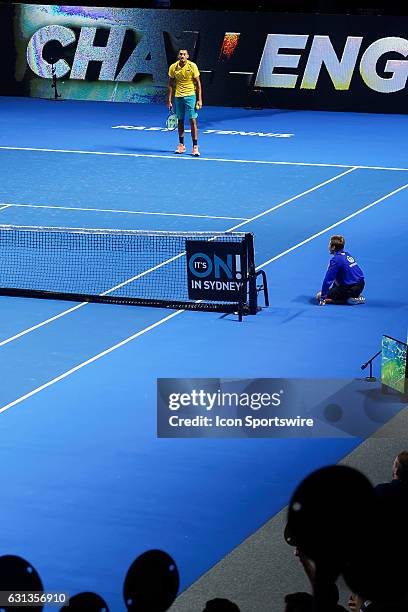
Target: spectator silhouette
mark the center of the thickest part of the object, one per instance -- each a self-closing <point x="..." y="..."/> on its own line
<point x="151" y="583"/>
<point x="366" y="542"/>
<point x="332" y="592"/>
<point x="91" y="602"/>
<point x="324" y="525"/>
<point x="16" y="574"/>
<point x="397" y="489"/>
<point x="377" y="570"/>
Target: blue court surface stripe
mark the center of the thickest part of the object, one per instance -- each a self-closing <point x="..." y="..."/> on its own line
<point x="149" y="184"/>
<point x="66" y="218"/>
<point x="319" y="137"/>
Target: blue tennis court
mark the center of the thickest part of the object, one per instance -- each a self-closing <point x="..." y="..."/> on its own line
<point x="87" y="486"/>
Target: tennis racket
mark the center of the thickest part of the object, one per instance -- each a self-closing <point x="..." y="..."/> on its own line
<point x="171" y="122"/>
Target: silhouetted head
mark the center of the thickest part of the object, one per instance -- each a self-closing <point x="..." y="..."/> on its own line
<point x="17" y="574"/>
<point x="151" y="583"/>
<point x="322" y="521"/>
<point x="91" y="602"/>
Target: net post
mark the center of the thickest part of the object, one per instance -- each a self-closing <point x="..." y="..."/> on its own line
<point x="251" y="275"/>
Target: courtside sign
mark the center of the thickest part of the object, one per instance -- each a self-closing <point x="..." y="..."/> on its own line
<point x="216" y="271"/>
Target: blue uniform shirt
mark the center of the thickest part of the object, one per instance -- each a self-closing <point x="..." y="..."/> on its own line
<point x="342" y="270"/>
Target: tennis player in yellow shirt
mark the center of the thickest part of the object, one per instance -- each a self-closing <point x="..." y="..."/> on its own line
<point x="184" y="78"/>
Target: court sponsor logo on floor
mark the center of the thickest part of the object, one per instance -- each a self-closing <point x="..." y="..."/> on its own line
<point x="143" y="128"/>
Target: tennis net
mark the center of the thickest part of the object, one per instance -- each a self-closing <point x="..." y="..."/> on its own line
<point x="128" y="267"/>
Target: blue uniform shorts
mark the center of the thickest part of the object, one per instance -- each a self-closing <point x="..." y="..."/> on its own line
<point x="184" y="105"/>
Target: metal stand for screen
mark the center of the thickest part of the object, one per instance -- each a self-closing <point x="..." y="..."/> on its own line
<point x="370" y="378"/>
<point x="52" y="53"/>
<point x="385" y="389"/>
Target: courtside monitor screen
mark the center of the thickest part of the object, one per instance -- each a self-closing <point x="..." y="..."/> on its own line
<point x="394" y="364"/>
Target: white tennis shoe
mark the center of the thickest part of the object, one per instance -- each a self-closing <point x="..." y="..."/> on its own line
<point x="357" y="300"/>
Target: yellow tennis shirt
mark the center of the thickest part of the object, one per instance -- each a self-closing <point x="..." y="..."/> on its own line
<point x="184" y="77"/>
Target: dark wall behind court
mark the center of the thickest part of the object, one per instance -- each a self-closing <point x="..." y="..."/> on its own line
<point x="329" y="62"/>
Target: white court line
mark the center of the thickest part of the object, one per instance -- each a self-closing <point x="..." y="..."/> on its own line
<point x="177" y="312"/>
<point x="128" y="212"/>
<point x="217" y="159"/>
<point x="38" y="325"/>
<point x="65" y="312"/>
<point x="292" y="199"/>
<point x="5" y="206"/>
<point x="330" y="227"/>
<point x="91" y="360"/>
